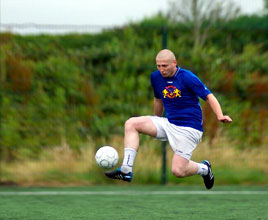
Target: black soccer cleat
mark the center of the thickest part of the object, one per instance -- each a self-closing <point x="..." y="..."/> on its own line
<point x="119" y="175"/>
<point x="209" y="178"/>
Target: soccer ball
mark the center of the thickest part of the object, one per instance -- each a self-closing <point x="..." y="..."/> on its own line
<point x="106" y="157"/>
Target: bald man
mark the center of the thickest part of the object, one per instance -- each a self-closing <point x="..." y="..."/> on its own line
<point x="177" y="91"/>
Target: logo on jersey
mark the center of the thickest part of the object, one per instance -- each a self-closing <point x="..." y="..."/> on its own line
<point x="171" y="92"/>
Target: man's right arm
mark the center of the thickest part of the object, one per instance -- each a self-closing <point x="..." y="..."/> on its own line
<point x="158" y="107"/>
<point x="216" y="108"/>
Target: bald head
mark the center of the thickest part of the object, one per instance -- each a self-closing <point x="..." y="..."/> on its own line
<point x="166" y="55"/>
<point x="166" y="63"/>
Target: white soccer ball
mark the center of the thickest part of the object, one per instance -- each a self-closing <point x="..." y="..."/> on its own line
<point x="106" y="157"/>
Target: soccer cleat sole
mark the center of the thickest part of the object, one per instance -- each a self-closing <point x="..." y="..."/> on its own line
<point x="119" y="175"/>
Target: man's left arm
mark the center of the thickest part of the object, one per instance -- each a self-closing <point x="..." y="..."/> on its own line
<point x="158" y="107"/>
<point x="216" y="108"/>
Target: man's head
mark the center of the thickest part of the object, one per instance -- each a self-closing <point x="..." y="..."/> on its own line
<point x="166" y="63"/>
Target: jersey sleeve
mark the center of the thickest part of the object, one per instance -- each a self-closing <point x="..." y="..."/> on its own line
<point x="153" y="83"/>
<point x="196" y="85"/>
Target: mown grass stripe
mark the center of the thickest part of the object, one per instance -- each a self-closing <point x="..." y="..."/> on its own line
<point x="47" y="193"/>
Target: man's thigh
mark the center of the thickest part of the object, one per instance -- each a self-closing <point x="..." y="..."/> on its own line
<point x="144" y="125"/>
<point x="179" y="161"/>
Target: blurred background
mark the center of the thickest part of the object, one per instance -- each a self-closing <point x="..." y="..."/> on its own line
<point x="72" y="72"/>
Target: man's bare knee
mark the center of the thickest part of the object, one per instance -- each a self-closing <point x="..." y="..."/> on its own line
<point x="178" y="172"/>
<point x="130" y="124"/>
<point x="136" y="123"/>
<point x="142" y="124"/>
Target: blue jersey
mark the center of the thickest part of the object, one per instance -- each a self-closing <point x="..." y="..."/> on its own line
<point x="180" y="95"/>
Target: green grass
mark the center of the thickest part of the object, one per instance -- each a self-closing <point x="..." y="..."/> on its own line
<point x="137" y="202"/>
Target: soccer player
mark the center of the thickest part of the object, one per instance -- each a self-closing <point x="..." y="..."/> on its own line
<point x="176" y="90"/>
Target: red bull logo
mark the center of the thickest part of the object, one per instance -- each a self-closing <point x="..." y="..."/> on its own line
<point x="171" y="92"/>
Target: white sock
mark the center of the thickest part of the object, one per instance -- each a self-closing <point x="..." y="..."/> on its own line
<point x="202" y="169"/>
<point x="129" y="157"/>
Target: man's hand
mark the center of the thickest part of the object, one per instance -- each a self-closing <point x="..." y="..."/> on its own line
<point x="225" y="119"/>
<point x="215" y="106"/>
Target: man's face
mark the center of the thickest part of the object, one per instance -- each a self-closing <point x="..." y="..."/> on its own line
<point x="166" y="67"/>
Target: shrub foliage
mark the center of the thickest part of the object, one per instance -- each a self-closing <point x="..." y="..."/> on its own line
<point x="77" y="88"/>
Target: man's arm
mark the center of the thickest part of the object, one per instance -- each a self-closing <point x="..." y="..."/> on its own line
<point x="216" y="108"/>
<point x="158" y="107"/>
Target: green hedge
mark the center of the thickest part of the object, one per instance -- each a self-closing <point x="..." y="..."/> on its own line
<point x="72" y="88"/>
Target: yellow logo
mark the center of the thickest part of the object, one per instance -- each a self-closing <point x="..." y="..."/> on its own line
<point x="171" y="92"/>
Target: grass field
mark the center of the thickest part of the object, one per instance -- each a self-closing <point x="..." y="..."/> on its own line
<point x="133" y="202"/>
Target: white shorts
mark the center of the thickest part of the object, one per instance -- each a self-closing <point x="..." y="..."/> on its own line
<point x="183" y="140"/>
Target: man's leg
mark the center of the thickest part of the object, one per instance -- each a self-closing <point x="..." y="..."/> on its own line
<point x="136" y="125"/>
<point x="182" y="167"/>
<point x="133" y="127"/>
